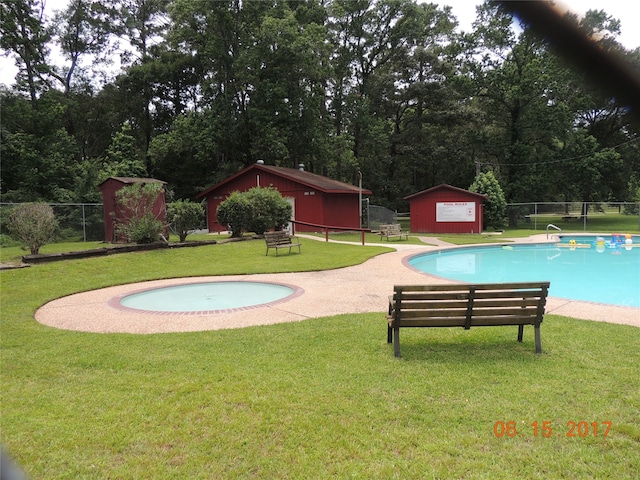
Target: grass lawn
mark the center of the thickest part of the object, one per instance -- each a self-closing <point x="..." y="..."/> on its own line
<point x="323" y="398"/>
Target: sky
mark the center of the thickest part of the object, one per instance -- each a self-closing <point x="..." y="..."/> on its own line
<point x="627" y="11"/>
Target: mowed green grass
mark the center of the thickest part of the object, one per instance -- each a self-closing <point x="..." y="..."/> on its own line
<point x="323" y="398"/>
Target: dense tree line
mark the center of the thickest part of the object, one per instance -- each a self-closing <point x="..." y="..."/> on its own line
<point x="387" y="88"/>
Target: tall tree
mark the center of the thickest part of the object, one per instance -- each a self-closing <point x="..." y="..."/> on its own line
<point x="23" y="33"/>
<point x="219" y="35"/>
<point x="366" y="37"/>
<point x="190" y="156"/>
<point x="288" y="76"/>
<point x="142" y="24"/>
<point x="39" y="157"/>
<point x="123" y="158"/>
<point x="426" y="105"/>
<point x="82" y="30"/>
<point x="516" y="87"/>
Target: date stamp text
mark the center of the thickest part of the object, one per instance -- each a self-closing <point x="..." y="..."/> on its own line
<point x="547" y="429"/>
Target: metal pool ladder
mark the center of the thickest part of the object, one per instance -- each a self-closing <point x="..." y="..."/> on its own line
<point x="552" y="226"/>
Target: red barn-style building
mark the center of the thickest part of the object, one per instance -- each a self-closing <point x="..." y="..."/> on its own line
<point x="315" y="199"/>
<point x="446" y="209"/>
<point x="111" y="211"/>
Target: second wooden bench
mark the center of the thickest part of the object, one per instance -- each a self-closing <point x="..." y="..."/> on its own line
<point x="280" y="239"/>
<point x="392" y="230"/>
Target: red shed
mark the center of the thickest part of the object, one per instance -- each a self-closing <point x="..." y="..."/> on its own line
<point x="446" y="209"/>
<point x="109" y="188"/>
<point x="315" y="199"/>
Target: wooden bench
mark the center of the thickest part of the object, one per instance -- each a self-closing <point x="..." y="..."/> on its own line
<point x="467" y="306"/>
<point x="280" y="239"/>
<point x="392" y="230"/>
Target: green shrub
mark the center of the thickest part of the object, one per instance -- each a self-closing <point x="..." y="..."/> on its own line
<point x="185" y="216"/>
<point x="257" y="210"/>
<point x="235" y="213"/>
<point x="268" y="209"/>
<point x="136" y="220"/>
<point x="496" y="206"/>
<point x="145" y="229"/>
<point x="33" y="225"/>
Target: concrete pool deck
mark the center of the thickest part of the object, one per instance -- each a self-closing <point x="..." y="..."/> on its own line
<point x="356" y="289"/>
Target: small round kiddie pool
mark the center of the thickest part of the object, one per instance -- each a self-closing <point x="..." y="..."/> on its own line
<point x="204" y="297"/>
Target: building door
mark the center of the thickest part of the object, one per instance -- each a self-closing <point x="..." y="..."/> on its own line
<point x="292" y="202"/>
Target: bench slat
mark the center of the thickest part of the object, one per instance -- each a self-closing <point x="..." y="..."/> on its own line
<point x="438" y="304"/>
<point x="460" y="321"/>
<point x="482" y="312"/>
<point x="465" y="287"/>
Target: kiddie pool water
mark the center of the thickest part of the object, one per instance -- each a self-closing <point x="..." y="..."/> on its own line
<point x="206" y="296"/>
<point x="609" y="274"/>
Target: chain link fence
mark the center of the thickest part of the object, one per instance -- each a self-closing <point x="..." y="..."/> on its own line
<point x="574" y="215"/>
<point x="538" y="215"/>
<point x="375" y="215"/>
<point x="76" y="221"/>
<point x="85" y="221"/>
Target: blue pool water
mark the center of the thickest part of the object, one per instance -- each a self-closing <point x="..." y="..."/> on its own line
<point x="206" y="296"/>
<point x="599" y="273"/>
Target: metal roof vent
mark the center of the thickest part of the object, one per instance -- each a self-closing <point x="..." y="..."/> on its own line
<point x="301" y="167"/>
<point x="260" y="162"/>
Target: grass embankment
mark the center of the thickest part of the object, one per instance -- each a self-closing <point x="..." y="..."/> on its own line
<point x="323" y="398"/>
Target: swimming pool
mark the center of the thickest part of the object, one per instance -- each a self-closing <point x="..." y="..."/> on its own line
<point x="593" y="273"/>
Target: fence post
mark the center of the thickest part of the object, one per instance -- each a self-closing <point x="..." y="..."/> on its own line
<point x="84" y="225"/>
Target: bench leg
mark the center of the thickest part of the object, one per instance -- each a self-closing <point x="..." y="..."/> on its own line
<point x="520" y="332"/>
<point x="389" y="334"/>
<point x="538" y="341"/>
<point x="396" y="341"/>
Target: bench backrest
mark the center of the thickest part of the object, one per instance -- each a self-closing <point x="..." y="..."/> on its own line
<point x="469" y="305"/>
<point x="281" y="237"/>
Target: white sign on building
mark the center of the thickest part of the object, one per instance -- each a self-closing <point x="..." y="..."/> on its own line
<point x="455" y="211"/>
